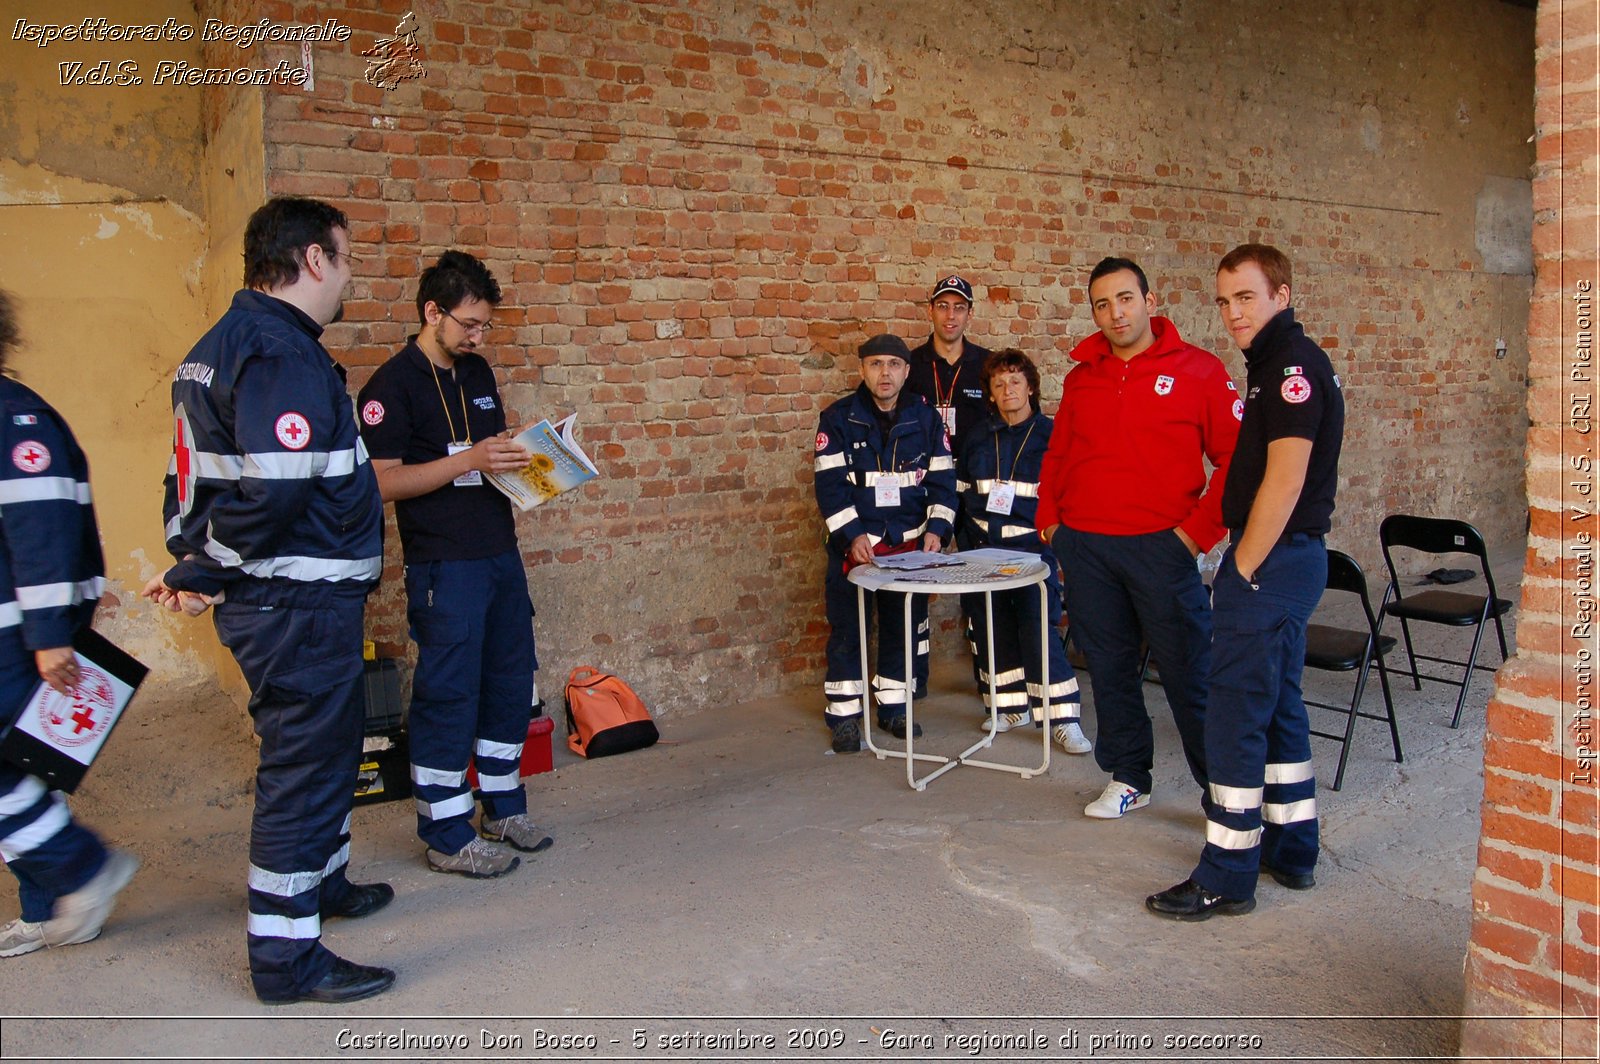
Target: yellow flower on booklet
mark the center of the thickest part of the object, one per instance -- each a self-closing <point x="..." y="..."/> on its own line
<point x="558" y="464"/>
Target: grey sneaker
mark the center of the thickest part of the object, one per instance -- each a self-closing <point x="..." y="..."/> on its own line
<point x="19" y="937"/>
<point x="1006" y="721"/>
<point x="518" y="831"/>
<point x="476" y="860"/>
<point x="79" y="916"/>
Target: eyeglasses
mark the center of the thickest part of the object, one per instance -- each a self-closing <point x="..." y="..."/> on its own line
<point x="334" y="255"/>
<point x="471" y="327"/>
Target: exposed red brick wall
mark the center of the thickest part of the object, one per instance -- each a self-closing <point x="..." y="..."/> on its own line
<point x="703" y="206"/>
<point x="1535" y="948"/>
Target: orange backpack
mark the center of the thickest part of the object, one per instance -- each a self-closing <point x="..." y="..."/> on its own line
<point x="604" y="715"/>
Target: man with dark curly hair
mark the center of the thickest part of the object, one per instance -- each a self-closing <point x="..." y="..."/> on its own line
<point x="434" y="424"/>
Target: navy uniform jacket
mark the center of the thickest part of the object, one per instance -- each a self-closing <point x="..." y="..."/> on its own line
<point x="997" y="453"/>
<point x="853" y="457"/>
<point x="960" y="385"/>
<point x="51" y="569"/>
<point x="269" y="488"/>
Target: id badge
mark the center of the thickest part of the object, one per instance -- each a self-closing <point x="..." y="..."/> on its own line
<point x="472" y="477"/>
<point x="1001" y="496"/>
<point x="886" y="494"/>
<point x="949" y="415"/>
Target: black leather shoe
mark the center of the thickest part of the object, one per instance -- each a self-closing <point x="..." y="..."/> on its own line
<point x="362" y="899"/>
<point x="1292" y="880"/>
<point x="1190" y="901"/>
<point x="896" y="726"/>
<point x="346" y="982"/>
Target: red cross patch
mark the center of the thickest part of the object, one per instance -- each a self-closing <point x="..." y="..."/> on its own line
<point x="372" y="413"/>
<point x="31" y="456"/>
<point x="294" y="431"/>
<point x="822" y="441"/>
<point x="1238" y="410"/>
<point x="1296" y="389"/>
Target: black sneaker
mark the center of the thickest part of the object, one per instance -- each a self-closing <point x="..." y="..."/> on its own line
<point x="896" y="726"/>
<point x="846" y="736"/>
<point x="1190" y="901"/>
<point x="1292" y="880"/>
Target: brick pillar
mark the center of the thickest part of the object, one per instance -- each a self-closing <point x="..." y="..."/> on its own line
<point x="1535" y="948"/>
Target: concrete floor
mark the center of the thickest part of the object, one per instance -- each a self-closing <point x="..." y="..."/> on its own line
<point x="740" y="881"/>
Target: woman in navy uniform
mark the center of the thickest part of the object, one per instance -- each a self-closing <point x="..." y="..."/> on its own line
<point x="997" y="475"/>
<point x="51" y="576"/>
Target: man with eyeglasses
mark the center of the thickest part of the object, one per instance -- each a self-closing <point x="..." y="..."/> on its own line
<point x="272" y="512"/>
<point x="434" y="424"/>
<point x="947" y="371"/>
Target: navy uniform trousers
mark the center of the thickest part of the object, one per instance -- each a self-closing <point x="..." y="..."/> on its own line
<point x="1018" y="677"/>
<point x="50" y="853"/>
<point x="1119" y="588"/>
<point x="473" y="692"/>
<point x="303" y="665"/>
<point x="1263" y="806"/>
<point x="846" y="698"/>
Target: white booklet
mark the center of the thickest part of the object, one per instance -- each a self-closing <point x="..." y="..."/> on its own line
<point x="558" y="465"/>
<point x="57" y="736"/>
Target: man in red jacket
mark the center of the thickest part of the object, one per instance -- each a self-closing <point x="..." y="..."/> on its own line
<point x="1123" y="501"/>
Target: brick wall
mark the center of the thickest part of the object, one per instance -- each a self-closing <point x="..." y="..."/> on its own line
<point x="703" y="206"/>
<point x="1535" y="947"/>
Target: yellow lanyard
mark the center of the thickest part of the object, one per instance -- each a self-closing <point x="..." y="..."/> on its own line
<point x="1014" y="458"/>
<point x="448" y="419"/>
<point x="945" y="398"/>
<point x="894" y="459"/>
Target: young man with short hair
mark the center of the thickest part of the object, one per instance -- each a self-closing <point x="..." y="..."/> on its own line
<point x="1278" y="502"/>
<point x="1125" y="501"/>
<point x="434" y="423"/>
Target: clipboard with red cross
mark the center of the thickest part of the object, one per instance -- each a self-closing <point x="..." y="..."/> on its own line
<point x="57" y="737"/>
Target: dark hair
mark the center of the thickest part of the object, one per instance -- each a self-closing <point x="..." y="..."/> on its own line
<point x="1011" y="360"/>
<point x="1112" y="264"/>
<point x="276" y="238"/>
<point x="10" y="333"/>
<point x="454" y="279"/>
<point x="1274" y="263"/>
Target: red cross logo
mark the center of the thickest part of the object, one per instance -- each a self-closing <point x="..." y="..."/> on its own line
<point x="1296" y="389"/>
<point x="372" y="413"/>
<point x="183" y="460"/>
<point x="294" y="431"/>
<point x="92" y="706"/>
<point x="31" y="456"/>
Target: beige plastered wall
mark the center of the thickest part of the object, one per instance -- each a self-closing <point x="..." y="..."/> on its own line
<point x="105" y="196"/>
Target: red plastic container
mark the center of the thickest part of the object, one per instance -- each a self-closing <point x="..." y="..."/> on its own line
<point x="536" y="751"/>
<point x="536" y="756"/>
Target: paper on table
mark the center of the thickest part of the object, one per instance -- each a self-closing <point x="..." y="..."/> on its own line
<point x="914" y="559"/>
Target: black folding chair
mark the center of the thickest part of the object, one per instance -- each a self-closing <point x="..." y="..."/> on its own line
<point x="1456" y="609"/>
<point x="1351" y="650"/>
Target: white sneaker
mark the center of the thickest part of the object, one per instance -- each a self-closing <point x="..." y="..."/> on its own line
<point x="1006" y="722"/>
<point x="1116" y="799"/>
<point x="1071" y="738"/>
<point x="20" y="937"/>
<point x="79" y="916"/>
